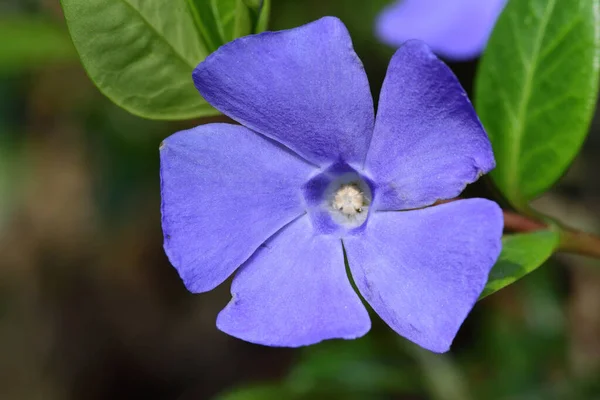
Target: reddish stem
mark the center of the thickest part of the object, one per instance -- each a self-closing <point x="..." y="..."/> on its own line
<point x="519" y="223"/>
<point x="571" y="240"/>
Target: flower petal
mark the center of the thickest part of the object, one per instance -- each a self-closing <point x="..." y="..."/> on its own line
<point x="457" y="29"/>
<point x="304" y="87"/>
<point x="423" y="270"/>
<point x="293" y="292"/>
<point x="225" y="190"/>
<point x="428" y="143"/>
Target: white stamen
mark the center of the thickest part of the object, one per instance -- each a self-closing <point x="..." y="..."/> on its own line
<point x="349" y="200"/>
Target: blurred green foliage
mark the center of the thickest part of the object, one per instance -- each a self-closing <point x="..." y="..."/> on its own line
<point x="10" y="174"/>
<point x="32" y="43"/>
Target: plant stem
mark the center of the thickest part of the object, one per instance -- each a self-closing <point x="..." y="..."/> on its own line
<point x="521" y="223"/>
<point x="573" y="241"/>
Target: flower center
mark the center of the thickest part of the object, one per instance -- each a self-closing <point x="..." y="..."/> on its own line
<point x="338" y="200"/>
<point x="349" y="199"/>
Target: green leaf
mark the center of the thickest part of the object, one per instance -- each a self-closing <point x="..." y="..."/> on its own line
<point x="536" y="90"/>
<point x="253" y="4"/>
<point x="206" y="20"/>
<point x="31" y="42"/>
<point x="263" y="16"/>
<point x="521" y="254"/>
<point x="234" y="18"/>
<point x="221" y="21"/>
<point x="140" y="54"/>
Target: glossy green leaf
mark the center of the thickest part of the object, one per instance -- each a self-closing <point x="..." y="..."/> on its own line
<point x="221" y="21"/>
<point x="536" y="90"/>
<point x="140" y="54"/>
<point x="521" y="254"/>
<point x="27" y="43"/>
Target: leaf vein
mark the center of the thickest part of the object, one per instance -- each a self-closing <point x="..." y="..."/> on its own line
<point x="155" y="30"/>
<point x="525" y="98"/>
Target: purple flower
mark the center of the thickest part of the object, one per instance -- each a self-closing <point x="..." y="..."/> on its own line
<point x="312" y="174"/>
<point x="456" y="29"/>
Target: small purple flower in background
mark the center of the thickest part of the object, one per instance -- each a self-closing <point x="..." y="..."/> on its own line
<point x="312" y="173"/>
<point x="455" y="29"/>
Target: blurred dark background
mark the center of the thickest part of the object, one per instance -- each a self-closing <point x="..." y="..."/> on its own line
<point x="90" y="307"/>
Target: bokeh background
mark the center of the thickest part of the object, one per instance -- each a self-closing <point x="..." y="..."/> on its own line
<point x="90" y="307"/>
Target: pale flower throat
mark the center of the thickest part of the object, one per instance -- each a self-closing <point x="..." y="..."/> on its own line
<point x="349" y="199"/>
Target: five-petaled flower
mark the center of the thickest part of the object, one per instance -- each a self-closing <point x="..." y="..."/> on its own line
<point x="456" y="29"/>
<point x="312" y="175"/>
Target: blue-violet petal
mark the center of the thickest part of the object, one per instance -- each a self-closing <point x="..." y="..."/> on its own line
<point x="304" y="87"/>
<point x="225" y="190"/>
<point x="294" y="291"/>
<point x="428" y="143"/>
<point x="456" y="29"/>
<point x="423" y="270"/>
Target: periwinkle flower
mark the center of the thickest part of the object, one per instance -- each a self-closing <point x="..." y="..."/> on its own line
<point x="311" y="174"/>
<point x="455" y="29"/>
